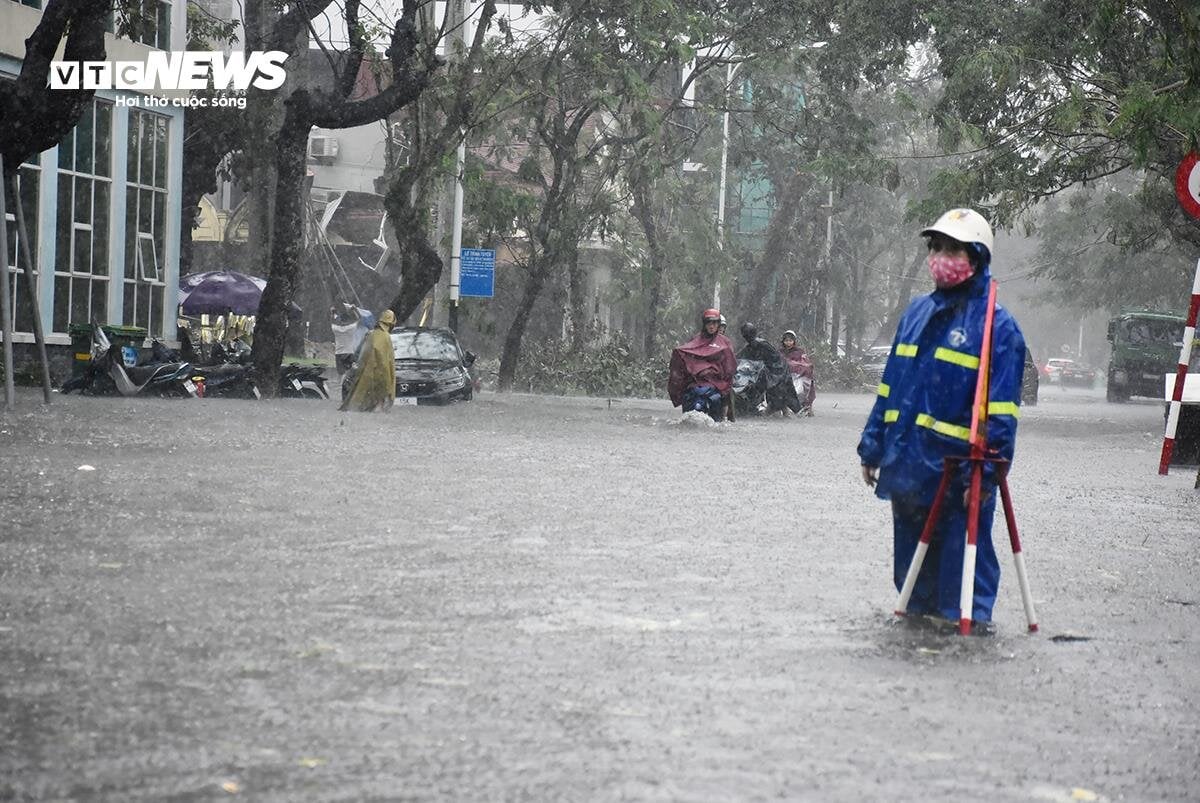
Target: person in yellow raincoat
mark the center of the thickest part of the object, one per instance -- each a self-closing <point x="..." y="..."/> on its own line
<point x="374" y="386"/>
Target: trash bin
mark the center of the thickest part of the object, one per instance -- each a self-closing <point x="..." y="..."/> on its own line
<point x="128" y="338"/>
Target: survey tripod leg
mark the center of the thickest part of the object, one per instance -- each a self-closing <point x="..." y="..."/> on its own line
<point x="1018" y="556"/>
<point x="967" y="589"/>
<point x="918" y="559"/>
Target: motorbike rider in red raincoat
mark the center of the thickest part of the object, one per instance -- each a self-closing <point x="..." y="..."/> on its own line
<point x="702" y="369"/>
<point x="802" y="370"/>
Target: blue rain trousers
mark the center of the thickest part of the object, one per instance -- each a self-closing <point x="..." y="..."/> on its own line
<point x="940" y="582"/>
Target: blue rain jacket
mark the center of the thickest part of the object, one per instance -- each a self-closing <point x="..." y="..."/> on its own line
<point x="922" y="409"/>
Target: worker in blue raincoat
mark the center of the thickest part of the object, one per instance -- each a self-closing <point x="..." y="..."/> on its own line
<point x="922" y="414"/>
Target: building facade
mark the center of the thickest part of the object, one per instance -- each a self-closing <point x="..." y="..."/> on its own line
<point x="102" y="208"/>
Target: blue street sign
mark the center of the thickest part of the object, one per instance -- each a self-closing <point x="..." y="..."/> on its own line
<point x="477" y="273"/>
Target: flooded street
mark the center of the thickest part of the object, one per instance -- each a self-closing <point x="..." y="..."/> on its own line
<point x="528" y="598"/>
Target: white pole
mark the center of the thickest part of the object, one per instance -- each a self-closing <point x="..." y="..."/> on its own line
<point x="730" y="69"/>
<point x="910" y="579"/>
<point x="460" y="160"/>
<point x="5" y="291"/>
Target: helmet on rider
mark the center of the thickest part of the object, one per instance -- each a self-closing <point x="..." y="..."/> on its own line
<point x="968" y="227"/>
<point x="723" y="324"/>
<point x="749" y="332"/>
<point x="710" y="319"/>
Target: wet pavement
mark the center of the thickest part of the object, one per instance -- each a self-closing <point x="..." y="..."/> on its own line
<point x="522" y="598"/>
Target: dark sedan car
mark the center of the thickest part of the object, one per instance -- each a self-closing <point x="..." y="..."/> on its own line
<point x="431" y="366"/>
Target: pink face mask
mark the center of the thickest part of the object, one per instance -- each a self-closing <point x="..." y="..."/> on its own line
<point x="949" y="271"/>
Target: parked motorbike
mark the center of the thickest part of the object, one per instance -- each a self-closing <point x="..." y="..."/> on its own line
<point x="302" y="382"/>
<point x="108" y="374"/>
<point x="295" y="381"/>
<point x="221" y="380"/>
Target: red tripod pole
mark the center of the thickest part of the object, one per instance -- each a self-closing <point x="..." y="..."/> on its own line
<point x="1014" y="538"/>
<point x="966" y="599"/>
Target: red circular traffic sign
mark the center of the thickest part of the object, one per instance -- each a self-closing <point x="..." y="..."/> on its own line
<point x="1187" y="184"/>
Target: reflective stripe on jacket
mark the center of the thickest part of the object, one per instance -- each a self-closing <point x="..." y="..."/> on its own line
<point x="922" y="409"/>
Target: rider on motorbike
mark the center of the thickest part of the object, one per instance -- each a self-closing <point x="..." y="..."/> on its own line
<point x="802" y="370"/>
<point x="780" y="392"/>
<point x="702" y="369"/>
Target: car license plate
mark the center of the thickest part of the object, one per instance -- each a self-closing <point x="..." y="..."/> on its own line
<point x="1150" y="376"/>
<point x="190" y="386"/>
<point x="296" y="384"/>
<point x="406" y="400"/>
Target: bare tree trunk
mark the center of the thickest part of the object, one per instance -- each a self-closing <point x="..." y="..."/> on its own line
<point x="511" y="355"/>
<point x="780" y="234"/>
<point x="577" y="296"/>
<point x="422" y="263"/>
<point x="854" y="310"/>
<point x="30" y="283"/>
<point x="644" y="212"/>
<point x="835" y="323"/>
<point x="270" y="330"/>
<point x="903" y="296"/>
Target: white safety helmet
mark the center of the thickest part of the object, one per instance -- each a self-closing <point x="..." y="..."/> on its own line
<point x="964" y="225"/>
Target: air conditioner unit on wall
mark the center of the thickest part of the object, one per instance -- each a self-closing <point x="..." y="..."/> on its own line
<point x="322" y="148"/>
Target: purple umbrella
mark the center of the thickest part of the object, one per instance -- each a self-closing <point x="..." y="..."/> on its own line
<point x="216" y="292"/>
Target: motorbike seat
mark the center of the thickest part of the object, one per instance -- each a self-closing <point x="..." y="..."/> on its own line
<point x="219" y="372"/>
<point x="142" y="374"/>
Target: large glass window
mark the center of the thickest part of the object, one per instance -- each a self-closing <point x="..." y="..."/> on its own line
<point x="81" y="264"/>
<point x="146" y="221"/>
<point x="153" y="25"/>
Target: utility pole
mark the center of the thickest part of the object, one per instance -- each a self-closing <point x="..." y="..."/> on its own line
<point x="458" y="48"/>
<point x="730" y="69"/>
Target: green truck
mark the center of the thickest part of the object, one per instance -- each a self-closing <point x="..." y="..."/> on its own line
<point x="1145" y="346"/>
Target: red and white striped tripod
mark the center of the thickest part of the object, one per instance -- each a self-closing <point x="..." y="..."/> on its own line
<point x="1185" y="355"/>
<point x="977" y="460"/>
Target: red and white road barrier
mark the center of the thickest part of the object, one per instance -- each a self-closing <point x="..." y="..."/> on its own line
<point x="1185" y="355"/>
